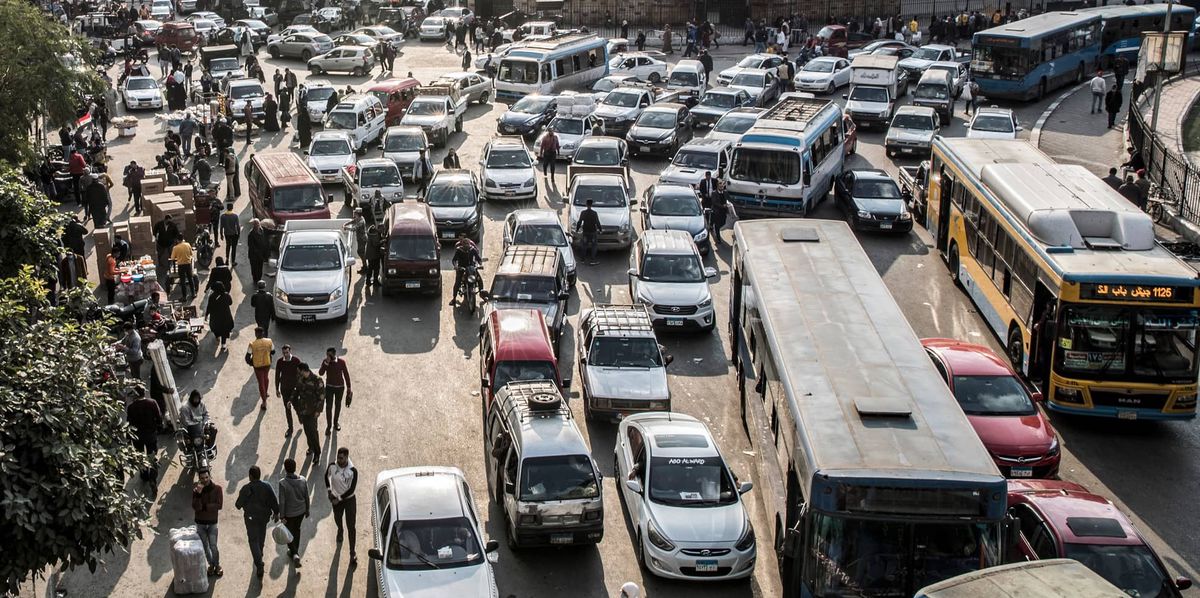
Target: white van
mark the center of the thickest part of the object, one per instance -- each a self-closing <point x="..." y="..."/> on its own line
<point x="312" y="278"/>
<point x="689" y="79"/>
<point x="363" y="117"/>
<point x="936" y="90"/>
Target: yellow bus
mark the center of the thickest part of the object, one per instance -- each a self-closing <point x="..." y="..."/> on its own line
<point x="1071" y="278"/>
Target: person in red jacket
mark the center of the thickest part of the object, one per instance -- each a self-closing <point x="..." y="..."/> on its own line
<point x="207" y="500"/>
<point x="77" y="167"/>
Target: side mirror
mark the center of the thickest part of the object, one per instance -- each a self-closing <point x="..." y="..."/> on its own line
<point x="484" y="382"/>
<point x="1037" y="397"/>
<point x="845" y="96"/>
<point x="1020" y="128"/>
<point x="351" y="261"/>
<point x="510" y="487"/>
<point x="634" y="486"/>
<point x="745" y="487"/>
<point x="710" y="272"/>
<point x="375" y="554"/>
<point x="807" y="178"/>
<point x="485" y="295"/>
<point x="566" y="384"/>
<point x="274" y="263"/>
<point x="668" y="359"/>
<point x="1183" y="583"/>
<point x="491" y="546"/>
<point x="633" y="202"/>
<point x="564" y="294"/>
<point x="633" y="272"/>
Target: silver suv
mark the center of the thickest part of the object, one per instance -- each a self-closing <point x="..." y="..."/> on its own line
<point x="667" y="275"/>
<point x="622" y="365"/>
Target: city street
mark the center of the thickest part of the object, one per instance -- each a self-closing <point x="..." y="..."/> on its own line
<point x="413" y="362"/>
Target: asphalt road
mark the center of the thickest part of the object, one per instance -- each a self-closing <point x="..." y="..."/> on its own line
<point x="413" y="362"/>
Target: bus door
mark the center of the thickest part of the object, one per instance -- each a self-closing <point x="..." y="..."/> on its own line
<point x="939" y="207"/>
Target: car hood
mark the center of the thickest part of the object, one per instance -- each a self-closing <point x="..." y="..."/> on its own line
<point x="689" y="224"/>
<point x="608" y="216"/>
<point x="330" y="162"/>
<point x="143" y="94"/>
<point x="607" y="111"/>
<point x="870" y="107"/>
<point x="422" y="120"/>
<point x="510" y="175"/>
<point x="625" y="383"/>
<point x="753" y="91"/>
<point x="388" y="191"/>
<point x="520" y="118"/>
<point x="674" y="293"/>
<point x="566" y="140"/>
<point x="314" y="281"/>
<point x="880" y="206"/>
<point x="455" y="213"/>
<point x="915" y="64"/>
<point x="973" y="134"/>
<point x="910" y="135"/>
<point x="467" y="582"/>
<point x="699" y="524"/>
<point x="254" y="102"/>
<point x="568" y="257"/>
<point x="404" y="157"/>
<point x="713" y="111"/>
<point x="730" y="72"/>
<point x="549" y="310"/>
<point x="1013" y="434"/>
<point x="681" y="175"/>
<point x="649" y="132"/>
<point x="812" y="76"/>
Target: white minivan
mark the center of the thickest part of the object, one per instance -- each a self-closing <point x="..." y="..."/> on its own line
<point x="689" y="79"/>
<point x="361" y="116"/>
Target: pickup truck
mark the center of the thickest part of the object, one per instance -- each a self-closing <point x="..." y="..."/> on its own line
<point x="438" y="109"/>
<point x="623" y="105"/>
<point x="914" y="184"/>
<point x="366" y="177"/>
<point x="926" y="55"/>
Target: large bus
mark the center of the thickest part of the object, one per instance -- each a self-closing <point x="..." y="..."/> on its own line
<point x="871" y="477"/>
<point x="1028" y="58"/>
<point x="1123" y="27"/>
<point x="1051" y="578"/>
<point x="547" y="66"/>
<point x="785" y="164"/>
<point x="1069" y="276"/>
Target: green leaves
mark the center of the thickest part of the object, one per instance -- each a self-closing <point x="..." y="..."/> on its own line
<point x="30" y="228"/>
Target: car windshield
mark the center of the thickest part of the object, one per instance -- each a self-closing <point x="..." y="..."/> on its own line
<point x="675" y="204"/>
<point x="766" y="166"/>
<point x="602" y="196"/>
<point x="862" y="93"/>
<point x="538" y="289"/>
<point x="428" y="108"/>
<point x="404" y="143"/>
<point x="1133" y="569"/>
<point x="450" y="194"/>
<point x="992" y="124"/>
<point x="519" y="371"/>
<point x="141" y="84"/>
<point x="568" y="126"/>
<point x="319" y="94"/>
<point x="685" y="78"/>
<point x="508" y="158"/>
<point x="568" y="477"/>
<point x="617" y="352"/>
<point x="992" y="395"/>
<point x="750" y="62"/>
<point x="1109" y="342"/>
<point x="380" y="176"/>
<point x="748" y="80"/>
<point x="424" y="544"/>
<point x="224" y="64"/>
<point x="718" y="100"/>
<point x="302" y="258"/>
<point x="330" y="147"/>
<point x="297" y="199"/>
<point x="691" y="482"/>
<point x="927" y="53"/>
<point x="913" y="121"/>
<point x="245" y="91"/>
<point x="694" y="159"/>
<point x="341" y="120"/>
<point x="412" y="248"/>
<point x="540" y="234"/>
<point x="734" y="124"/>
<point x="874" y="189"/>
<point x="254" y="24"/>
<point x="531" y="104"/>
<point x="598" y="156"/>
<point x="622" y="99"/>
<point x="606" y="84"/>
<point x="818" y="66"/>
<point x="518" y="71"/>
<point x="672" y="267"/>
<point x="931" y="91"/>
<point x="657" y="120"/>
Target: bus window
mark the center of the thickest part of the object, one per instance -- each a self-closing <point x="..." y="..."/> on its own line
<point x="545" y="73"/>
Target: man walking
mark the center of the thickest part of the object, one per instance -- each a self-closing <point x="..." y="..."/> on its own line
<point x="131" y="346"/>
<point x="308" y="399"/>
<point x="1112" y="105"/>
<point x="256" y="500"/>
<point x="287" y="368"/>
<point x="183" y="256"/>
<point x="264" y="307"/>
<point x="146" y="418"/>
<point x="258" y="356"/>
<point x="230" y="230"/>
<point x="131" y="178"/>
<point x="232" y="188"/>
<point x="548" y="151"/>
<point x="589" y="224"/>
<point x="207" y="499"/>
<point x="337" y="384"/>
<point x="1099" y="87"/>
<point x="293" y="506"/>
<point x="373" y="252"/>
<point x="1120" y="69"/>
<point x="258" y="249"/>
<point x="341" y="478"/>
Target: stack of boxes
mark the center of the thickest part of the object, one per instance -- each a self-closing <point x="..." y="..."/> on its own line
<point x="103" y="241"/>
<point x="141" y="236"/>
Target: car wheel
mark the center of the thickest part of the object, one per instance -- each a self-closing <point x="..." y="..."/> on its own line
<point x="953" y="264"/>
<point x="305" y="55"/>
<point x="655" y="77"/>
<point x="458" y="125"/>
<point x="314" y="69"/>
<point x="1015" y="348"/>
<point x="640" y="552"/>
<point x="273" y="51"/>
<point x="483" y="98"/>
<point x="829" y="90"/>
<point x="358" y="71"/>
<point x="510" y="535"/>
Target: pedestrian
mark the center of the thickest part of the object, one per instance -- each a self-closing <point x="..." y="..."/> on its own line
<point x="219" y="312"/>
<point x="285" y="108"/>
<point x="277" y="79"/>
<point x="256" y="500"/>
<point x="337" y="384"/>
<point x="1120" y="69"/>
<point x="207" y="500"/>
<point x="290" y="82"/>
<point x="287" y="368"/>
<point x="132" y="180"/>
<point x="1112" y="180"/>
<point x="1143" y="185"/>
<point x="264" y="307"/>
<point x="970" y="95"/>
<point x="131" y="346"/>
<point x="231" y="230"/>
<point x="625" y="29"/>
<point x="451" y="159"/>
<point x="303" y="126"/>
<point x="308" y="399"/>
<point x="466" y="60"/>
<point x="373" y="253"/>
<point x="187" y="129"/>
<point x="341" y="478"/>
<point x="258" y="249"/>
<point x="145" y="416"/>
<point x="73" y="235"/>
<point x="248" y="116"/>
<point x="293" y="506"/>
<point x="589" y="224"/>
<point x="359" y="225"/>
<point x="184" y="258"/>
<point x="720" y="212"/>
<point x="258" y="356"/>
<point x="270" y="114"/>
<point x="666" y="39"/>
<point x="1130" y="191"/>
<point x="215" y="208"/>
<point x="707" y="61"/>
<point x="201" y="169"/>
<point x="1099" y="87"/>
<point x="220" y="274"/>
<point x="1112" y="105"/>
<point x="110" y="277"/>
<point x="548" y="150"/>
<point x="640" y="42"/>
<point x="97" y="201"/>
<point x="232" y="187"/>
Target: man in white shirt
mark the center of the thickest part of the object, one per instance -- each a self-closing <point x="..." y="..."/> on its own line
<point x="1099" y="88"/>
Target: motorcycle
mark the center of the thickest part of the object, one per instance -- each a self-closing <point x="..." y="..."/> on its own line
<point x="181" y="340"/>
<point x="197" y="445"/>
<point x="471" y="284"/>
<point x="204" y="248"/>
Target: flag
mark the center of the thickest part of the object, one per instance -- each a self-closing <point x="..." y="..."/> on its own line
<point x="84" y="120"/>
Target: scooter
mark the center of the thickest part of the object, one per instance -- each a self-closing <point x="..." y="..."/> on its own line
<point x="204" y="248"/>
<point x="197" y="445"/>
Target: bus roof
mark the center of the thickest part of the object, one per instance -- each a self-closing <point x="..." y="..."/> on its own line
<point x="786" y="122"/>
<point x="1052" y="578"/>
<point x="1137" y="10"/>
<point x="1037" y="25"/>
<point x="1080" y="226"/>
<point x="555" y="44"/>
<point x="867" y="401"/>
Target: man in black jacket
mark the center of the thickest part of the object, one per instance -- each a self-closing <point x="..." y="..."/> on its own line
<point x="264" y="307"/>
<point x="589" y="224"/>
<point x="258" y="249"/>
<point x="256" y="500"/>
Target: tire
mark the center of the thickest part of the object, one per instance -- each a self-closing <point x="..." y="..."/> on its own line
<point x="471" y="303"/>
<point x="655" y="77"/>
<point x="640" y="552"/>
<point x="1015" y="348"/>
<point x="510" y="536"/>
<point x="483" y="99"/>
<point x="1042" y="89"/>
<point x="829" y="90"/>
<point x="305" y="55"/>
<point x="458" y="125"/>
<point x="357" y="72"/>
<point x="953" y="262"/>
<point x="182" y="354"/>
<point x="314" y="69"/>
<point x="1079" y="74"/>
<point x="273" y="51"/>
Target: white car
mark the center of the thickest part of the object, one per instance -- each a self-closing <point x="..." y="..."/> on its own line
<point x="427" y="535"/>
<point x="141" y="92"/>
<point x="571" y="131"/>
<point x="293" y="30"/>
<point x="433" y="28"/>
<point x="646" y="66"/>
<point x="246" y="91"/>
<point x="471" y="86"/>
<point x="355" y="60"/>
<point x="667" y="275"/>
<point x="204" y="27"/>
<point x="959" y="71"/>
<point x="682" y="500"/>
<point x="366" y="177"/>
<point x="735" y="122"/>
<point x="318" y="92"/>
<point x="540" y="227"/>
<point x="697" y="157"/>
<point x="312" y="275"/>
<point x="672" y="206"/>
<point x="209" y="15"/>
<point x="408" y="148"/>
<point x="382" y="34"/>
<point x="601" y="88"/>
<point x="824" y="74"/>
<point x="753" y="61"/>
<point x="481" y="59"/>
<point x="610" y="199"/>
<point x="507" y="170"/>
<point x="162" y="10"/>
<point x="225" y="67"/>
<point x="329" y="153"/>
<point x="993" y="123"/>
<point x="912" y="131"/>
<point x="455" y="14"/>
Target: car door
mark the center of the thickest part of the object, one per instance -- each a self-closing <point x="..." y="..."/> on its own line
<point x="382" y="511"/>
<point x="842" y="192"/>
<point x="843" y="73"/>
<point x="1037" y="540"/>
<point x="683" y="126"/>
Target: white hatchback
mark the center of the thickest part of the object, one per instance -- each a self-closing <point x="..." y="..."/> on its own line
<point x="993" y="123"/>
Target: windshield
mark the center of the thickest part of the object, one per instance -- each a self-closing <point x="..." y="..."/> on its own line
<point x="750" y="62"/>
<point x="927" y="54"/>
<point x="1004" y="63"/>
<point x="341" y="120"/>
<point x="380" y="177"/>
<point x="141" y="84"/>
<point x="453" y="194"/>
<point x="518" y="71"/>
<point x="540" y="234"/>
<point x="693" y="159"/>
<point x="862" y="557"/>
<point x="734" y="124"/>
<point x="319" y="94"/>
<point x="913" y="121"/>
<point x="424" y="544"/>
<point x="766" y="166"/>
<point x="615" y="352"/>
<point x="330" y="147"/>
<point x="672" y="267"/>
<point x="303" y="258"/>
<point x="868" y="94"/>
<point x="622" y="99"/>
<point x="520" y="371"/>
<point x="567" y="126"/>
<point x="1133" y="569"/>
<point x="427" y="108"/>
<point x="245" y="91"/>
<point x="404" y="143"/>
<point x="606" y="84"/>
<point x="876" y="189"/>
<point x="931" y="91"/>
<point x="602" y="196"/>
<point x="412" y="248"/>
<point x="657" y="120"/>
<point x="538" y="289"/>
<point x="675" y="205"/>
<point x="224" y="64"/>
<point x="531" y="104"/>
<point x="993" y="124"/>
<point x="558" y="478"/>
<point x="992" y="395"/>
<point x="718" y="100"/>
<point x="508" y="158"/>
<point x="1110" y="342"/>
<point x="687" y="79"/>
<point x="818" y="66"/>
<point x="691" y="482"/>
<point x="297" y="199"/>
<point x="748" y="80"/>
<point x="598" y="156"/>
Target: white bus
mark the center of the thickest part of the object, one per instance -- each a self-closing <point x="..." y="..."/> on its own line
<point x="557" y="63"/>
<point x="785" y="164"/>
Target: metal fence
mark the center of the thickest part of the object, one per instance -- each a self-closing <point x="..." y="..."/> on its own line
<point x="1177" y="179"/>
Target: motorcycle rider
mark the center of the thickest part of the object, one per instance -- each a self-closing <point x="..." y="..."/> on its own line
<point x="194" y="411"/>
<point x="466" y="255"/>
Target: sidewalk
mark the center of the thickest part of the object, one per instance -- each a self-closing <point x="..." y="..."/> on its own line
<point x="1177" y="98"/>
<point x="1072" y="135"/>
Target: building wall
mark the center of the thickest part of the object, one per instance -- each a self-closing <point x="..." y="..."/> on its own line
<point x="728" y="13"/>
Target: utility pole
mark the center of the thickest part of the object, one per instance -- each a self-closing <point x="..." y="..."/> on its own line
<point x="1162" y="63"/>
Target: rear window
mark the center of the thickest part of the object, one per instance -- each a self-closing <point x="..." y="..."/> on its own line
<point x="412" y="248"/>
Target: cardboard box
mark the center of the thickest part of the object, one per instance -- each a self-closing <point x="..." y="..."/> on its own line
<point x="141" y="228"/>
<point x="189" y="225"/>
<point x="184" y="192"/>
<point x="154" y="204"/>
<point x="155" y="174"/>
<point x="102" y="240"/>
<point x="152" y="186"/>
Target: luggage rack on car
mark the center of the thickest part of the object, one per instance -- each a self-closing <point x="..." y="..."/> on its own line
<point x="536" y="398"/>
<point x="536" y="260"/>
<point x="617" y="319"/>
<point x="795" y="109"/>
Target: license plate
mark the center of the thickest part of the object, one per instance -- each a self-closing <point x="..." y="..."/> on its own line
<point x="885" y="225"/>
<point x="561" y="538"/>
<point x="644" y="148"/>
<point x="907" y="150"/>
<point x="412" y="285"/>
<point x="1021" y="472"/>
<point x="674" y="321"/>
<point x="509" y="192"/>
<point x="308" y="318"/>
<point x="707" y="566"/>
<point x="448" y="234"/>
<point x="1127" y="415"/>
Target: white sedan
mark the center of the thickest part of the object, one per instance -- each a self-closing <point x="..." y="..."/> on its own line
<point x="428" y="540"/>
<point x="290" y="31"/>
<point x="824" y="74"/>
<point x="993" y="123"/>
<point x="141" y="92"/>
<point x="209" y="15"/>
<point x="646" y="66"/>
<point x="684" y="504"/>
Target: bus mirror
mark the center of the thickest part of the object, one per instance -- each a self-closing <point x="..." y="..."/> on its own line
<point x="634" y="486"/>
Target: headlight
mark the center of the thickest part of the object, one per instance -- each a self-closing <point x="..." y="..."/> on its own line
<point x="337" y="294"/>
<point x="531" y="182"/>
<point x="391" y="271"/>
<point x="473" y="218"/>
<point x="280" y="295"/>
<point x="657" y="538"/>
<point x="624" y="228"/>
<point x="865" y="215"/>
<point x="700" y="237"/>
<point x="706" y="302"/>
<point x="433" y="270"/>
<point x="746" y="540"/>
<point x="489" y="183"/>
<point x="906" y="216"/>
<point x="568" y="146"/>
<point x="1054" y="448"/>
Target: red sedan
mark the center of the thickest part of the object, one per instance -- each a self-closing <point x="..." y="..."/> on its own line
<point x="1004" y="413"/>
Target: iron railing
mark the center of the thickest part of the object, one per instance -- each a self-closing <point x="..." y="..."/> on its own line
<point x="1177" y="179"/>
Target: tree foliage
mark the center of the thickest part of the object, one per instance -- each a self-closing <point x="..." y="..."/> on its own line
<point x="34" y="81"/>
<point x="30" y="227"/>
<point x="65" y="449"/>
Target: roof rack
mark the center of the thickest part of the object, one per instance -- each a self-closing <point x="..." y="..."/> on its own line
<point x="534" y="398"/>
<point x="528" y="259"/>
<point x="621" y="319"/>
<point x="795" y="109"/>
<point x="559" y="39"/>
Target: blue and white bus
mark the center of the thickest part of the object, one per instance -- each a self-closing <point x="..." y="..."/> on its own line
<point x="785" y="164"/>
<point x="1026" y="59"/>
<point x="1124" y="25"/>
<point x="547" y="66"/>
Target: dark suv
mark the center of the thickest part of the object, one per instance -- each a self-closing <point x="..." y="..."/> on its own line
<point x="660" y="129"/>
<point x="533" y="276"/>
<point x="454" y="196"/>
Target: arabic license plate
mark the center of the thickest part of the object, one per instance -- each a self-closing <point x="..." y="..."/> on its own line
<point x="907" y="150"/>
<point x="706" y="566"/>
<point x="1021" y="472"/>
<point x="644" y="148"/>
<point x="448" y="234"/>
<point x="561" y="538"/>
<point x="412" y="284"/>
<point x="509" y="191"/>
<point x="674" y="321"/>
<point x="885" y="226"/>
<point x="1127" y="415"/>
<point x="308" y="318"/>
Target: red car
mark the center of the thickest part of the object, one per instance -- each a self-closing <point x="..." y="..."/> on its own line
<point x="1064" y="520"/>
<point x="1005" y="414"/>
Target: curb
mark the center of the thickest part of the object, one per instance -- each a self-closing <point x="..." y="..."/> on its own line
<point x="1035" y="135"/>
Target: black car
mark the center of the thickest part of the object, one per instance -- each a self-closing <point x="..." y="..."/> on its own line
<point x="872" y="201"/>
<point x="527" y="116"/>
<point x="454" y="197"/>
<point x="660" y="129"/>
